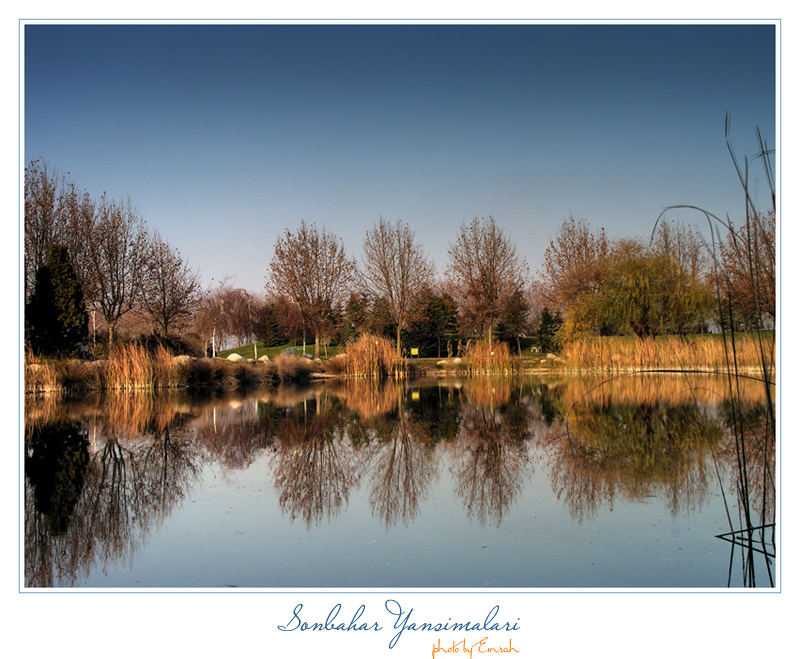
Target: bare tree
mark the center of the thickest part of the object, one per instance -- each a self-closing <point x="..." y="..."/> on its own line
<point x="484" y="271"/>
<point x="56" y="212"/>
<point x="117" y="250"/>
<point x="42" y="217"/>
<point x="310" y="267"/>
<point x="170" y="288"/>
<point x="395" y="268"/>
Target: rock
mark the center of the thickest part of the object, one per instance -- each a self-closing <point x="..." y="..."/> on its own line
<point x="182" y="360"/>
<point x="447" y="363"/>
<point x="553" y="357"/>
<point x="264" y="358"/>
<point x="235" y="357"/>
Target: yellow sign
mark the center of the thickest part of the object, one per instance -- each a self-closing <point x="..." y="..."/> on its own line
<point x="415" y="352"/>
<point x="415" y="395"/>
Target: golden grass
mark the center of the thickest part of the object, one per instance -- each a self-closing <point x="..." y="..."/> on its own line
<point x="610" y="354"/>
<point x="132" y="367"/>
<point x="373" y="357"/>
<point x="52" y="376"/>
<point x="485" y="358"/>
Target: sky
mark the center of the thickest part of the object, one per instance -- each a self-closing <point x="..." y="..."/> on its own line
<point x="225" y="136"/>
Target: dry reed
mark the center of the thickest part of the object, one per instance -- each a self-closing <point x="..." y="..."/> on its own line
<point x="616" y="354"/>
<point x="484" y="357"/>
<point x="375" y="357"/>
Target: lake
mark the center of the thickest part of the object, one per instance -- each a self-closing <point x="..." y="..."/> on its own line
<point x="558" y="482"/>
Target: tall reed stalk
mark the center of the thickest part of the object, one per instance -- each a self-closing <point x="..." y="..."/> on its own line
<point x="752" y="522"/>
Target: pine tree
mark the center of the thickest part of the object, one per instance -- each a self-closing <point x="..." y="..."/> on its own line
<point x="56" y="322"/>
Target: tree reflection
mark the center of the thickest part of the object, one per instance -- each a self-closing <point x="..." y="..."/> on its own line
<point x="490" y="457"/>
<point x="314" y="463"/>
<point x="404" y="468"/>
<point x="127" y="485"/>
<point x="632" y="449"/>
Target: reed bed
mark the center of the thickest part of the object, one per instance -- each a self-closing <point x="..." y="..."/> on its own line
<point x="486" y="358"/>
<point x="59" y="377"/>
<point x="620" y="354"/>
<point x="372" y="356"/>
<point x="133" y="368"/>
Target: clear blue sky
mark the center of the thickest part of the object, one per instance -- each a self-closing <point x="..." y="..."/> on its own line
<point x="223" y="136"/>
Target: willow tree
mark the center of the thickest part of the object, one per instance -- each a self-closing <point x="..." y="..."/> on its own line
<point x="311" y="268"/>
<point x="395" y="268"/>
<point x="485" y="272"/>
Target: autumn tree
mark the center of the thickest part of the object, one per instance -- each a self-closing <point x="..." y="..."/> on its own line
<point x="117" y="255"/>
<point x="310" y="267"/>
<point x="747" y="272"/>
<point x="170" y="289"/>
<point x="485" y="271"/>
<point x="574" y="263"/>
<point x="395" y="268"/>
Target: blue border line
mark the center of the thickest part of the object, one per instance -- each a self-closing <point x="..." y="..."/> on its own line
<point x="22" y="22"/>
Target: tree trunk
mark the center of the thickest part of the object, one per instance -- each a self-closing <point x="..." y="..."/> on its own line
<point x="316" y="346"/>
<point x="398" y="342"/>
<point x="111" y="335"/>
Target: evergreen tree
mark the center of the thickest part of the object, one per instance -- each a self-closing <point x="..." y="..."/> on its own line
<point x="548" y="327"/>
<point x="56" y="322"/>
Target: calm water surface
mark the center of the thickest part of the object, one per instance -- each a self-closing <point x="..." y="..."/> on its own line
<point x="567" y="483"/>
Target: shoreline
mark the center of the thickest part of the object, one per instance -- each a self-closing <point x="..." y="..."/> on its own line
<point x="86" y="377"/>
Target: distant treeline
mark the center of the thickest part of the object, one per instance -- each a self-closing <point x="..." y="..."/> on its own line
<point x="679" y="281"/>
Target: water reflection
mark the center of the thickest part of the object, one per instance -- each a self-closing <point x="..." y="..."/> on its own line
<point x="99" y="500"/>
<point x="606" y="451"/>
<point x="101" y="475"/>
<point x="491" y="455"/>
